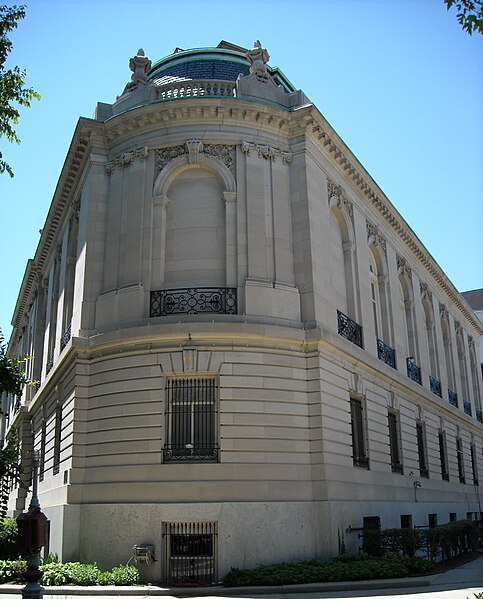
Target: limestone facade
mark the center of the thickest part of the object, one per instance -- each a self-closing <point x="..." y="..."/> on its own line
<point x="232" y="326"/>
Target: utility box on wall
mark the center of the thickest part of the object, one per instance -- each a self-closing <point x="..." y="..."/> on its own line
<point x="143" y="554"/>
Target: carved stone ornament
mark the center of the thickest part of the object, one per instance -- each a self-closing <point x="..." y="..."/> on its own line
<point x="267" y="152"/>
<point x="126" y="159"/>
<point x="75" y="211"/>
<point x="374" y="237"/>
<point x="443" y="312"/>
<point x="403" y="268"/>
<point x="258" y="57"/>
<point x="140" y="66"/>
<point x="195" y="148"/>
<point x="425" y="292"/>
<point x="337" y="197"/>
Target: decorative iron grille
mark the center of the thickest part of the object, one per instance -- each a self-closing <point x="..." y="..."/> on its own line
<point x="222" y="300"/>
<point x="386" y="353"/>
<point x="479" y="415"/>
<point x="453" y="398"/>
<point x="191" y="420"/>
<point x="466" y="407"/>
<point x="435" y="386"/>
<point x="349" y="329"/>
<point x="50" y="363"/>
<point x="65" y="337"/>
<point x="414" y="371"/>
<point x="190" y="552"/>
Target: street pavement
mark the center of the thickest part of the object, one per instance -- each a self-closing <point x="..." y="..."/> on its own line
<point x="463" y="582"/>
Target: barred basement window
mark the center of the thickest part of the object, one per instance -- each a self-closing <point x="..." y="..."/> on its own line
<point x="190" y="552"/>
<point x="191" y="420"/>
<point x="359" y="454"/>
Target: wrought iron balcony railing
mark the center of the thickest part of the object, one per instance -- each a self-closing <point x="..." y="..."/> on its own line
<point x="186" y="453"/>
<point x="479" y="415"/>
<point x="65" y="337"/>
<point x="361" y="461"/>
<point x="386" y="353"/>
<point x="397" y="468"/>
<point x="435" y="386"/>
<point x="453" y="398"/>
<point x="222" y="300"/>
<point x="414" y="371"/>
<point x="466" y="407"/>
<point x="349" y="329"/>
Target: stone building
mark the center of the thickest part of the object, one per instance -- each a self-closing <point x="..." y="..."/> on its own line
<point x="244" y="353"/>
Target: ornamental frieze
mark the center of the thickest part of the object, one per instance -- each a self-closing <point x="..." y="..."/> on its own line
<point x="126" y="158"/>
<point x="195" y="148"/>
<point x="266" y="151"/>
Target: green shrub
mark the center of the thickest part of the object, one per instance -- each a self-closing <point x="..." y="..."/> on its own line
<point x="82" y="574"/>
<point x="54" y="574"/>
<point x="105" y="578"/>
<point x="125" y="575"/>
<point x="6" y="571"/>
<point x="343" y="568"/>
<point x="9" y="547"/>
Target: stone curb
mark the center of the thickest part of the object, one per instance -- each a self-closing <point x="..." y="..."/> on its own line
<point x="153" y="591"/>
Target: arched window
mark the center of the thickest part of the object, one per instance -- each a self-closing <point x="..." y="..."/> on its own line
<point x="375" y="299"/>
<point x="448" y="356"/>
<point x="427" y="303"/>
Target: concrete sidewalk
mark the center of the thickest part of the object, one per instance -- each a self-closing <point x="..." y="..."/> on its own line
<point x="467" y="579"/>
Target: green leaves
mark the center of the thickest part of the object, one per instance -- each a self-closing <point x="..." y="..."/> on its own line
<point x="469" y="15"/>
<point x="13" y="92"/>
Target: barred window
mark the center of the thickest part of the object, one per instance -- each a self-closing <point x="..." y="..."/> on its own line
<point x="474" y="465"/>
<point x="190" y="552"/>
<point x="191" y="420"/>
<point x="359" y="453"/>
<point x="459" y="455"/>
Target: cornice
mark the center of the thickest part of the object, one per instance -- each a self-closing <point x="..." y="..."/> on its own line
<point x="315" y="125"/>
<point x="191" y="111"/>
<point x="84" y="136"/>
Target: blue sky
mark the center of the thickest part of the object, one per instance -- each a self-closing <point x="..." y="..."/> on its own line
<point x="399" y="81"/>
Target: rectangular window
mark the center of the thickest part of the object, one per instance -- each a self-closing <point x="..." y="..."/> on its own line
<point x="421" y="440"/>
<point x="394" y="443"/>
<point x="191" y="420"/>
<point x="190" y="550"/>
<point x="459" y="455"/>
<point x="432" y="520"/>
<point x="371" y="535"/>
<point x="406" y="521"/>
<point x="452" y="516"/>
<point x="57" y="437"/>
<point x="359" y="454"/>
<point x="43" y="437"/>
<point x="474" y="466"/>
<point x="443" y="456"/>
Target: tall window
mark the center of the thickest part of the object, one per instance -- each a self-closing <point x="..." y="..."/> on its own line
<point x="443" y="456"/>
<point x="57" y="436"/>
<point x="474" y="465"/>
<point x="421" y="441"/>
<point x="359" y="451"/>
<point x="460" y="457"/>
<point x="394" y="443"/>
<point x="191" y="420"/>
<point x="375" y="300"/>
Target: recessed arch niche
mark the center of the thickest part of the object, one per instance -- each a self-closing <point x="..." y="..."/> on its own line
<point x="194" y="225"/>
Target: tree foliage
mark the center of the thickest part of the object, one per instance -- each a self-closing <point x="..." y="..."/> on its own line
<point x="12" y="380"/>
<point x="13" y="92"/>
<point x="470" y="14"/>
